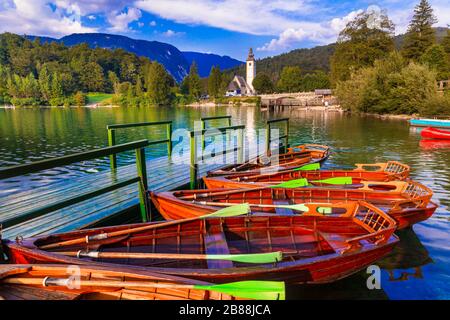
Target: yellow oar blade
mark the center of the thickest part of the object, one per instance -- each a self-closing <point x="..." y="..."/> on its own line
<point x="231" y="211"/>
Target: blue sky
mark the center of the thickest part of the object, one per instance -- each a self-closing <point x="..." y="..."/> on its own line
<point x="225" y="27"/>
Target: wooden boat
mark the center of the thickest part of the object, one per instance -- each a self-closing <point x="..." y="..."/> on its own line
<point x="59" y="282"/>
<point x="407" y="202"/>
<point x="387" y="171"/>
<point x="293" y="158"/>
<point x="433" y="133"/>
<point x="430" y="123"/>
<point x="314" y="248"/>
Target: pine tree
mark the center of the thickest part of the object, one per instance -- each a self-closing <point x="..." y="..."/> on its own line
<point x="158" y="84"/>
<point x="195" y="87"/>
<point x="420" y="35"/>
<point x="57" y="93"/>
<point x="214" y="81"/>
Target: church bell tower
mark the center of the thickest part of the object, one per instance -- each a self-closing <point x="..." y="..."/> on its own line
<point x="251" y="69"/>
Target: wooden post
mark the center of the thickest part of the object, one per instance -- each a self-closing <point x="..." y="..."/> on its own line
<point x="240" y="145"/>
<point x="193" y="164"/>
<point x="112" y="142"/>
<point x="169" y="137"/>
<point x="287" y="136"/>
<point x="143" y="185"/>
<point x="202" y="138"/>
<point x="268" y="139"/>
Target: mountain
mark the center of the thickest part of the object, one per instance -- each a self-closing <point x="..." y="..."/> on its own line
<point x="166" y="54"/>
<point x="441" y="32"/>
<point x="205" y="61"/>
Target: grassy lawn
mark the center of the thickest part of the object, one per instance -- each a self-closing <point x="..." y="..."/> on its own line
<point x="98" y="97"/>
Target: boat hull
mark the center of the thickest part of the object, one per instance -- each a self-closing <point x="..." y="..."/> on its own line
<point x="432" y="133"/>
<point x="173" y="208"/>
<point x="315" y="258"/>
<point x="430" y="123"/>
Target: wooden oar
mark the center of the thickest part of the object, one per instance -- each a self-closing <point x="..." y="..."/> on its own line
<point x="297" y="207"/>
<point x="260" y="290"/>
<point x="308" y="167"/>
<point x="226" y="212"/>
<point x="270" y="257"/>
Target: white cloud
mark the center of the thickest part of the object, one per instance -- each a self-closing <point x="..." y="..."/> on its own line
<point x="170" y="33"/>
<point x="119" y="20"/>
<point x="37" y="17"/>
<point x="91" y="17"/>
<point x="140" y="24"/>
<point x="322" y="33"/>
<point x="152" y="23"/>
<point x="258" y="17"/>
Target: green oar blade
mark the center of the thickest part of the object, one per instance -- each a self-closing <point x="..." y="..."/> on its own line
<point x="231" y="211"/>
<point x="309" y="167"/>
<point x="270" y="257"/>
<point x="296" y="207"/>
<point x="336" y="180"/>
<point x="296" y="183"/>
<point x="259" y="290"/>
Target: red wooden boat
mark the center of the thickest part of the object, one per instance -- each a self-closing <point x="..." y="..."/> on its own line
<point x="407" y="202"/>
<point x="433" y="133"/>
<point x="434" y="144"/>
<point x="295" y="157"/>
<point x="387" y="171"/>
<point x="26" y="282"/>
<point x="315" y="248"/>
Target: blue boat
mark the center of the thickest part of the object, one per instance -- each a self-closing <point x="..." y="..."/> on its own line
<point x="436" y="123"/>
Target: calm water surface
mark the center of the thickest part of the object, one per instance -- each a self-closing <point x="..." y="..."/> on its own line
<point x="419" y="267"/>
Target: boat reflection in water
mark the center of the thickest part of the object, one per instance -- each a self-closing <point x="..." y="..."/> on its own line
<point x="405" y="262"/>
<point x="431" y="144"/>
<point x="407" y="258"/>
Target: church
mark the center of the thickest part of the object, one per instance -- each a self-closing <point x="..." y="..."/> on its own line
<point x="239" y="85"/>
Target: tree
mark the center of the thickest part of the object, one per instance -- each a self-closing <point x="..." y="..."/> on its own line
<point x="263" y="84"/>
<point x="315" y="80"/>
<point x="360" y="43"/>
<point x="57" y="95"/>
<point x="158" y="84"/>
<point x="437" y="59"/>
<point x="290" y="79"/>
<point x="195" y="86"/>
<point x="214" y="81"/>
<point x="45" y="83"/>
<point x="420" y="35"/>
<point x="446" y="42"/>
<point x="79" y="99"/>
<point x="92" y="77"/>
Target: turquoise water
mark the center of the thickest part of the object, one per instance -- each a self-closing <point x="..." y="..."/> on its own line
<point x="419" y="266"/>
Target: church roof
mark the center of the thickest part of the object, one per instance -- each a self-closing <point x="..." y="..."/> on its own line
<point x="251" y="56"/>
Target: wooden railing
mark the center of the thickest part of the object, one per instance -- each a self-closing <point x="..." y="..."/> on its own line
<point x="140" y="179"/>
<point x="112" y="136"/>
<point x="202" y="134"/>
<point x="285" y="136"/>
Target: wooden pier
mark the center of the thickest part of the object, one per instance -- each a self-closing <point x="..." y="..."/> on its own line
<point x="115" y="196"/>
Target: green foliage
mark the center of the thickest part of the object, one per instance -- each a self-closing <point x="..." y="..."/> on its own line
<point x="438" y="60"/>
<point x="290" y="79"/>
<point x="360" y="44"/>
<point x="214" y="82"/>
<point x="95" y="97"/>
<point x="195" y="87"/>
<point x="420" y="35"/>
<point x="34" y="73"/>
<point x="392" y="85"/>
<point x="158" y="84"/>
<point x="446" y="42"/>
<point x="263" y="84"/>
<point x="315" y="80"/>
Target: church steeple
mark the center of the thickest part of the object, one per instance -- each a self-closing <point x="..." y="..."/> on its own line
<point x="251" y="70"/>
<point x="251" y="56"/>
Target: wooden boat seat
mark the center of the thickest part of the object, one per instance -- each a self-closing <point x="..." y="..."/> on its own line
<point x="283" y="211"/>
<point x="337" y="242"/>
<point x="216" y="243"/>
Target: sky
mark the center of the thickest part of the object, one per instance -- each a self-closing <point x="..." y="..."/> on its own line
<point x="225" y="27"/>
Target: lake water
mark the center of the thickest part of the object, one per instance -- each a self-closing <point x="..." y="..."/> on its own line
<point x="418" y="268"/>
